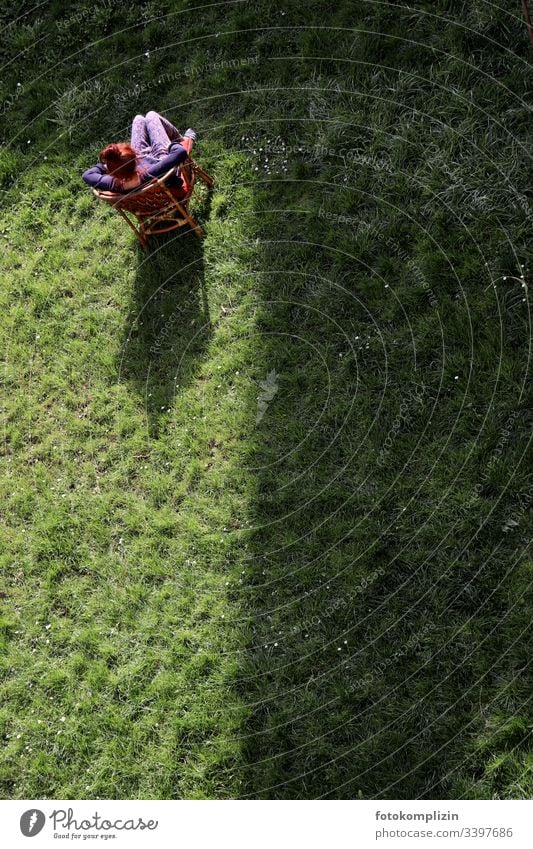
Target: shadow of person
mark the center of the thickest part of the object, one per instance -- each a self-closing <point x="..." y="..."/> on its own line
<point x="168" y="325"/>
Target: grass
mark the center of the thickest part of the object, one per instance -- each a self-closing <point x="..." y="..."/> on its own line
<point x="265" y="499"/>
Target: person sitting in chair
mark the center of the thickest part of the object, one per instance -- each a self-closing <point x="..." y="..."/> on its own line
<point x="156" y="146"/>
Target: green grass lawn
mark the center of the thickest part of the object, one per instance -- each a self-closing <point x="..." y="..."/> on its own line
<point x="264" y="507"/>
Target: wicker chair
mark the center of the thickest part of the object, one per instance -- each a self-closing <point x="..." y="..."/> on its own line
<point x="154" y="208"/>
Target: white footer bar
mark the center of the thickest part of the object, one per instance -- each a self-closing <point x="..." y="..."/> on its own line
<point x="267" y="824"/>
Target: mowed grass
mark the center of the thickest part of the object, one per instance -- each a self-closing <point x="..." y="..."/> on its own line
<point x="265" y="500"/>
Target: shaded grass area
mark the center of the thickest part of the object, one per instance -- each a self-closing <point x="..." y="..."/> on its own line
<point x="264" y="524"/>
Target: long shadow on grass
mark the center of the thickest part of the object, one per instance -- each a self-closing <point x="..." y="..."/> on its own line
<point x="168" y="326"/>
<point x="381" y="632"/>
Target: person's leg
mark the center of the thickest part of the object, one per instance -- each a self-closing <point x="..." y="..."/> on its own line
<point x="140" y="140"/>
<point x="160" y="138"/>
<point x="170" y="129"/>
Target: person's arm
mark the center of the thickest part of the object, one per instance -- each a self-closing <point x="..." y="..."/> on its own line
<point x="98" y="178"/>
<point x="186" y="142"/>
<point x="177" y="153"/>
<point x="179" y="150"/>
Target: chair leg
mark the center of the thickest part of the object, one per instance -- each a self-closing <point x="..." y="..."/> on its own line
<point x="138" y="232"/>
<point x="143" y="238"/>
<point x="204" y="176"/>
<point x="525" y="7"/>
<point x="191" y="221"/>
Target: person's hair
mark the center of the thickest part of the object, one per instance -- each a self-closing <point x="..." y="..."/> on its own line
<point x="120" y="161"/>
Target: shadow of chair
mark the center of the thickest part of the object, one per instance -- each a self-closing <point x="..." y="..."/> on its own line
<point x="168" y="326"/>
